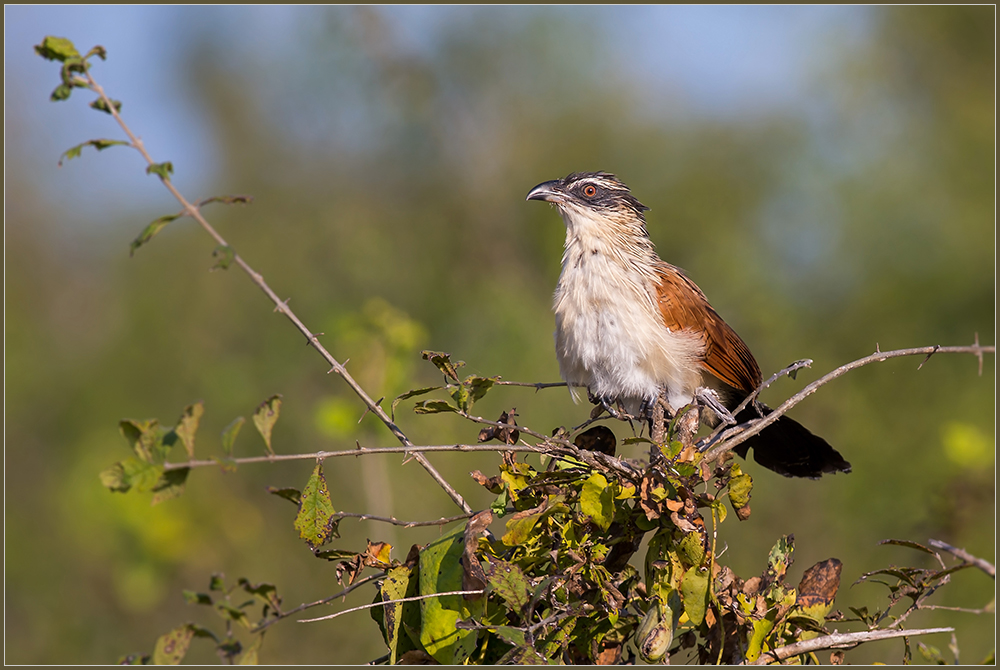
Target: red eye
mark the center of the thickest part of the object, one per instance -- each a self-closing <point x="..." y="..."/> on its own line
<point x="590" y="190"/>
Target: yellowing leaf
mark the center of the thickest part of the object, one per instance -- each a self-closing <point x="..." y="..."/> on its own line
<point x="596" y="500"/>
<point x="173" y="646"/>
<point x="265" y="417"/>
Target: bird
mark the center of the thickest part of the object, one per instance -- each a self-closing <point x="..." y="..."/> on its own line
<point x="630" y="325"/>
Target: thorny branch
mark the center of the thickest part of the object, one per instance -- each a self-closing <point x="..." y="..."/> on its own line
<point x="736" y="435"/>
<point x="396" y="522"/>
<point x="305" y="606"/>
<point x="839" y="641"/>
<point x="963" y="555"/>
<point x="280" y="305"/>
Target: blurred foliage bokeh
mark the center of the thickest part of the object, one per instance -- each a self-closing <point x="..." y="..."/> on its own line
<point x="389" y="190"/>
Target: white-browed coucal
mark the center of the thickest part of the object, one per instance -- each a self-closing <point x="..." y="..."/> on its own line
<point x="629" y="324"/>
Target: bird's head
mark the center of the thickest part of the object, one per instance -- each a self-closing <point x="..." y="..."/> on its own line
<point x="590" y="195"/>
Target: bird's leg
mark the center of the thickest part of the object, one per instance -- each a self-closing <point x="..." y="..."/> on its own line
<point x="709" y="398"/>
<point x="605" y="402"/>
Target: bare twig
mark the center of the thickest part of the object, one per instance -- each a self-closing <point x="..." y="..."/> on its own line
<point x="736" y="435"/>
<point x="390" y="602"/>
<point x="305" y="606"/>
<point x="280" y="305"/>
<point x="396" y="522"/>
<point x="361" y="451"/>
<point x="962" y="554"/>
<point x="839" y="641"/>
<point x="538" y="386"/>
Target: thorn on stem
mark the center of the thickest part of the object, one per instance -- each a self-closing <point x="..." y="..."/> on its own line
<point x="936" y="347"/>
<point x="368" y="409"/>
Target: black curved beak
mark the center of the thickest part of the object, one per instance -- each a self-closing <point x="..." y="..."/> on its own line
<point x="549" y="191"/>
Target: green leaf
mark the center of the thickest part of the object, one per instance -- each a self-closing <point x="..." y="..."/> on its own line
<point x="479" y="386"/>
<point x="780" y="558"/>
<point x="172" y="647"/>
<point x="251" y="653"/>
<point x="144" y="437"/>
<point x="195" y="598"/>
<point x="224" y="256"/>
<point x="131" y="473"/>
<point x="170" y="485"/>
<point x="740" y="486"/>
<point x="410" y="394"/>
<point x="61" y="92"/>
<point x="100" y="145"/>
<point x="228" y="200"/>
<point x="512" y="636"/>
<point x="135" y="659"/>
<point x="442" y="361"/>
<point x="509" y="582"/>
<point x="692" y="548"/>
<point x="150" y="231"/>
<point x="335" y="554"/>
<point x="230" y="613"/>
<point x="522" y="656"/>
<point x="113" y="478"/>
<point x="56" y="48"/>
<point x="441" y="571"/>
<point x="461" y="397"/>
<point x="229" y="435"/>
<point x="433" y="407"/>
<point x="164" y="170"/>
<point x="519" y="529"/>
<point x="266" y="593"/>
<point x="265" y="417"/>
<point x="294" y="495"/>
<point x="315" y="521"/>
<point x="187" y="426"/>
<point x="596" y="501"/>
<point x="102" y="106"/>
<point x="694" y="595"/>
<point x="399" y="583"/>
<point x="98" y="51"/>
<point x="216" y="582"/>
<point x="761" y="629"/>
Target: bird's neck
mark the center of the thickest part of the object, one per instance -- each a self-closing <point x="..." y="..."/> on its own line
<point x="621" y="240"/>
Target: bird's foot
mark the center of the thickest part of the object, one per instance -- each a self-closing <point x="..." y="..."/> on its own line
<point x="709" y="398"/>
<point x="603" y="403"/>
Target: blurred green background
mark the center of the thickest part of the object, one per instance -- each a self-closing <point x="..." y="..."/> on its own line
<point x="825" y="174"/>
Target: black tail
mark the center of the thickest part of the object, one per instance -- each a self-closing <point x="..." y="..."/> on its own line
<point x="788" y="448"/>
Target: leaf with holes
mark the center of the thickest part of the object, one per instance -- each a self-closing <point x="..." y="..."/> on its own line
<point x="442" y="361"/>
<point x="315" y="521"/>
<point x="173" y="646"/>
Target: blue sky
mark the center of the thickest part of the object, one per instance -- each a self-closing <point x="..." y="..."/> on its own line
<point x="717" y="61"/>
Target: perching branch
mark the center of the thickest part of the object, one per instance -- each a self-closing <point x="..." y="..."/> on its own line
<point x="280" y="305"/>
<point x="839" y="641"/>
<point x="736" y="435"/>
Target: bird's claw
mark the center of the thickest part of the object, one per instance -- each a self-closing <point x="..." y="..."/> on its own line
<point x="707" y="397"/>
